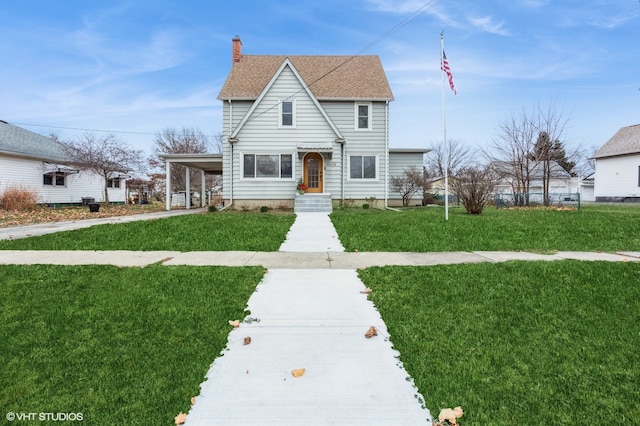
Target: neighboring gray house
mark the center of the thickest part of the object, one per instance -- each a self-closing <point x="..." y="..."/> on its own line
<point x="37" y="163"/>
<point x="322" y="120"/>
<point x="617" y="175"/>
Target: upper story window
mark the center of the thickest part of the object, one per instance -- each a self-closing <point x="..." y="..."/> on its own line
<point x="53" y="179"/>
<point x="287" y="113"/>
<point x="273" y="166"/>
<point x="363" y="116"/>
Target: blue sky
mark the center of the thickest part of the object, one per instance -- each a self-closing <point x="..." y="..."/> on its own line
<point x="135" y="67"/>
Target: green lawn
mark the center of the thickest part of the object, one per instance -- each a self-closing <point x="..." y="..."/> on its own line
<point x="228" y="231"/>
<point x="119" y="345"/>
<point x="592" y="228"/>
<point x="518" y="343"/>
<point x="513" y="343"/>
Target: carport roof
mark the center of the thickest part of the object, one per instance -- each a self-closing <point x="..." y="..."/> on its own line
<point x="210" y="163"/>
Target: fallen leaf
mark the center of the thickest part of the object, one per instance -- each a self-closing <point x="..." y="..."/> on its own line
<point x="181" y="418"/>
<point x="449" y="415"/>
<point x="193" y="400"/>
<point x="234" y="324"/>
<point x="297" y="372"/>
<point x="247" y="340"/>
<point x="366" y="291"/>
<point x="371" y="332"/>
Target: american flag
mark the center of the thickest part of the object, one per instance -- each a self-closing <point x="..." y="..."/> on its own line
<point x="446" y="69"/>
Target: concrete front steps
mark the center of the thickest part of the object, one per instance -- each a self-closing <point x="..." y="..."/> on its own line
<point x="316" y="203"/>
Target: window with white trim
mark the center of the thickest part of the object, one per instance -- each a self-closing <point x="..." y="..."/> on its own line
<point x="113" y="183"/>
<point x="363" y="116"/>
<point x="363" y="167"/>
<point x="53" y="179"/>
<point x="268" y="166"/>
<point x="287" y="113"/>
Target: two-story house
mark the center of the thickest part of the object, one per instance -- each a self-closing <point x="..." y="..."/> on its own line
<point x="320" y="120"/>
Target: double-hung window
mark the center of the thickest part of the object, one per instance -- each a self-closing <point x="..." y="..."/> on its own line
<point x="113" y="183"/>
<point x="265" y="166"/>
<point x="287" y="113"/>
<point x="362" y="167"/>
<point x="53" y="179"/>
<point x="363" y="116"/>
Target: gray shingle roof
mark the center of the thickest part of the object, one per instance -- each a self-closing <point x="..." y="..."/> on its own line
<point x="625" y="141"/>
<point x="17" y="141"/>
<point x="328" y="77"/>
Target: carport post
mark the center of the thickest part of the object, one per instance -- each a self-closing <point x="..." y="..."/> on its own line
<point x="167" y="184"/>
<point x="187" y="179"/>
<point x="202" y="192"/>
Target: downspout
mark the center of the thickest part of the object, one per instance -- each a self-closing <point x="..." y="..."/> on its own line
<point x="386" y="146"/>
<point x="231" y="152"/>
<point x="342" y="160"/>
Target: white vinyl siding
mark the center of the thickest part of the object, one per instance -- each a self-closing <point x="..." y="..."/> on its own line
<point x="29" y="173"/>
<point x="617" y="176"/>
<point x="398" y="163"/>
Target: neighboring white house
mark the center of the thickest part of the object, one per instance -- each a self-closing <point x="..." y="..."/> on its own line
<point x="322" y="120"/>
<point x="562" y="186"/>
<point x="617" y="175"/>
<point x="37" y="163"/>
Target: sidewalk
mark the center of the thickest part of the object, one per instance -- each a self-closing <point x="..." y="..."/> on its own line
<point x="291" y="260"/>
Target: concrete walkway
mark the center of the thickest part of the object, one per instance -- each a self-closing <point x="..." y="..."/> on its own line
<point x="316" y="320"/>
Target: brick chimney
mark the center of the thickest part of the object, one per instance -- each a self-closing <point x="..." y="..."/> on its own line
<point x="237" y="49"/>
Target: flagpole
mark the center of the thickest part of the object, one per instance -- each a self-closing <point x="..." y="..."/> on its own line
<point x="444" y="130"/>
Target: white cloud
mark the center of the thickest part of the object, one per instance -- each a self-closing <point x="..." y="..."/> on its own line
<point x="487" y="24"/>
<point x="429" y="7"/>
<point x="536" y="3"/>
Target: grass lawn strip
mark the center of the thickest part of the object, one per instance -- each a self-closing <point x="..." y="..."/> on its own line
<point x="119" y="345"/>
<point x="221" y="231"/>
<point x="518" y="342"/>
<point x="593" y="228"/>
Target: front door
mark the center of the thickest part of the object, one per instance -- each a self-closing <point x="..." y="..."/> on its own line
<point x="313" y="172"/>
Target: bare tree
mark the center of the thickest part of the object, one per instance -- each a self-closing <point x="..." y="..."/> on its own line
<point x="510" y="154"/>
<point x="411" y="181"/>
<point x="550" y="125"/>
<point x="460" y="156"/>
<point x="106" y="156"/>
<point x="475" y="185"/>
<point x="217" y="143"/>
<point x="185" y="141"/>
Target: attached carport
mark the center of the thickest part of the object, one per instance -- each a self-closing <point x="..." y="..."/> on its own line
<point x="208" y="164"/>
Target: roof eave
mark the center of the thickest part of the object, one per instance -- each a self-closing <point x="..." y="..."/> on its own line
<point x="33" y="157"/>
<point x="353" y="99"/>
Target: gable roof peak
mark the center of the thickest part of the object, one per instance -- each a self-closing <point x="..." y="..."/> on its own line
<point x="338" y="77"/>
